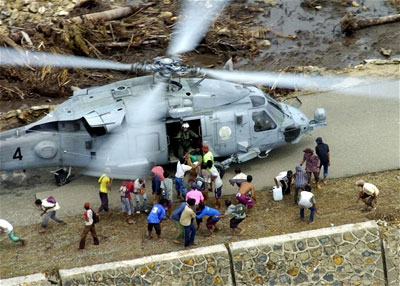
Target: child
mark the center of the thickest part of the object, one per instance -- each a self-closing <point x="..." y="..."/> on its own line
<point x="166" y="191"/>
<point x="157" y="214"/>
<point x="239" y="214"/>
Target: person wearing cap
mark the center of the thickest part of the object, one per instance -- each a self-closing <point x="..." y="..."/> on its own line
<point x="322" y="151"/>
<point x="312" y="166"/>
<point x="89" y="226"/>
<point x="185" y="138"/>
<point x="368" y="194"/>
<point x="300" y="181"/>
<point x="208" y="155"/>
<point x="6" y="227"/>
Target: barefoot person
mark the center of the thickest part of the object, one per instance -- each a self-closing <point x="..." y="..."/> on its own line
<point x="157" y="214"/>
<point x="246" y="194"/>
<point x="368" y="193"/>
<point x="213" y="217"/>
<point x="239" y="214"/>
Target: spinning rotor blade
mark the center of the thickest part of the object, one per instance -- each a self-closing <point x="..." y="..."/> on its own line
<point x="124" y="152"/>
<point x="376" y="87"/>
<point x="13" y="57"/>
<point x="197" y="18"/>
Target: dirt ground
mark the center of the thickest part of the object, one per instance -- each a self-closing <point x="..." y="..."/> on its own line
<point x="58" y="248"/>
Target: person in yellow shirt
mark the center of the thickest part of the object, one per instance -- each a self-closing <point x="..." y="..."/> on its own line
<point x="105" y="186"/>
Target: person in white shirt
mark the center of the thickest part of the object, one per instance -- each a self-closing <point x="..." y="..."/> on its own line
<point x="139" y="191"/>
<point x="229" y="63"/>
<point x="181" y="169"/>
<point x="49" y="206"/>
<point x="307" y="201"/>
<point x="89" y="226"/>
<point x="216" y="182"/>
<point x="6" y="227"/>
<point x="368" y="194"/>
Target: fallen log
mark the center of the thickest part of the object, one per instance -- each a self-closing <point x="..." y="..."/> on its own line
<point x="349" y="23"/>
<point x="113" y="14"/>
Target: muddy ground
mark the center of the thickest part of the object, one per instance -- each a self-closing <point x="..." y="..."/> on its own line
<point x="57" y="249"/>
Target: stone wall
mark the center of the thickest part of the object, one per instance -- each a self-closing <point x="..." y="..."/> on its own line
<point x="391" y="245"/>
<point x="344" y="255"/>
<point x="354" y="254"/>
<point x="201" y="266"/>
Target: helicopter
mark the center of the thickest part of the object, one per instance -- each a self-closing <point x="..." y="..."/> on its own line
<point x="129" y="125"/>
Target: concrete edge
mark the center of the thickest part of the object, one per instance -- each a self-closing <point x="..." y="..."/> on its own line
<point x="22" y="280"/>
<point x="144" y="260"/>
<point x="301" y="235"/>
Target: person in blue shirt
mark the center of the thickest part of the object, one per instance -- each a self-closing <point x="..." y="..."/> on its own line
<point x="213" y="217"/>
<point x="157" y="214"/>
<point x="176" y="217"/>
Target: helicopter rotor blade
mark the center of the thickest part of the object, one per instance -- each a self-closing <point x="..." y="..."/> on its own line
<point x="14" y="57"/>
<point x="197" y="15"/>
<point x="124" y="151"/>
<point x="376" y="87"/>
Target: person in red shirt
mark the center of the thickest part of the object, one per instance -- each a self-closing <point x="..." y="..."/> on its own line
<point x="89" y="226"/>
<point x="126" y="203"/>
<point x="312" y="166"/>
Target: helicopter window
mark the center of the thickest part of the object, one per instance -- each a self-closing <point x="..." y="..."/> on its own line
<point x="275" y="112"/>
<point x="50" y="126"/>
<point x="257" y="100"/>
<point x="262" y="121"/>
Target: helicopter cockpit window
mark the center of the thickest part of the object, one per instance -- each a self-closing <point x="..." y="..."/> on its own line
<point x="262" y="121"/>
<point x="257" y="100"/>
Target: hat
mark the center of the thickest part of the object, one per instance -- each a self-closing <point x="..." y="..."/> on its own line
<point x="360" y="183"/>
<point x="308" y="150"/>
<point x="318" y="140"/>
<point x="205" y="148"/>
<point x="185" y="125"/>
<point x="86" y="205"/>
<point x="298" y="168"/>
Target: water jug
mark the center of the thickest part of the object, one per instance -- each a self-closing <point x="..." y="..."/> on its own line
<point x="277" y="193"/>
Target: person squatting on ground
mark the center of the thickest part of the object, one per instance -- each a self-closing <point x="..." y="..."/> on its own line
<point x="166" y="191"/>
<point x="155" y="217"/>
<point x="89" y="227"/>
<point x="176" y="216"/>
<point x="216" y="182"/>
<point x="239" y="178"/>
<point x="6" y="227"/>
<point x="185" y="139"/>
<point x="105" y="183"/>
<point x="181" y="169"/>
<point x="213" y="217"/>
<point x="125" y="191"/>
<point x="312" y="166"/>
<point x="186" y="221"/>
<point x="368" y="194"/>
<point x="239" y="214"/>
<point x="246" y="194"/>
<point x="307" y="201"/>
<point x="287" y="181"/>
<point x="49" y="206"/>
<point x="139" y="190"/>
<point x="322" y="151"/>
<point x="300" y="181"/>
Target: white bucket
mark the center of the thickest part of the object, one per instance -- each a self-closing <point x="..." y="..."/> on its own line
<point x="277" y="193"/>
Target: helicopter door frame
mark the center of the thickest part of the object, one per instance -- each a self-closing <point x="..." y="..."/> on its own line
<point x="264" y="129"/>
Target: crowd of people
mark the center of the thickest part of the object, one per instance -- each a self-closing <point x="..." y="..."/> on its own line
<point x="203" y="179"/>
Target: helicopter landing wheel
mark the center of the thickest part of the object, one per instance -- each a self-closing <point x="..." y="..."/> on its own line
<point x="220" y="168"/>
<point x="61" y="177"/>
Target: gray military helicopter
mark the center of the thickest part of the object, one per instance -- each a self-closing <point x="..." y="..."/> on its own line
<point x="128" y="125"/>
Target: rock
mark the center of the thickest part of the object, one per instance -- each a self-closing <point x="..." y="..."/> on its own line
<point x="63" y="13"/>
<point x="319" y="7"/>
<point x="41" y="10"/>
<point x="338" y="260"/>
<point x="166" y="14"/>
<point x="265" y="43"/>
<point x="33" y="7"/>
<point x="386" y="52"/>
<point x="355" y="4"/>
